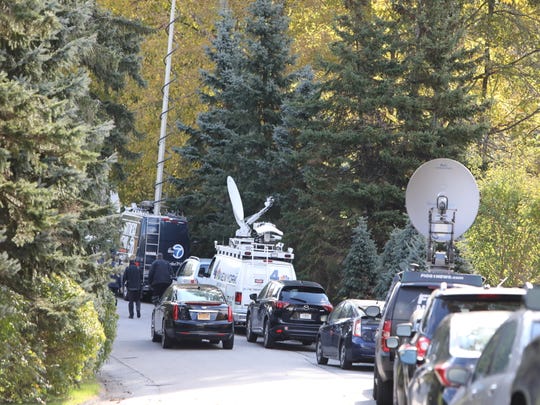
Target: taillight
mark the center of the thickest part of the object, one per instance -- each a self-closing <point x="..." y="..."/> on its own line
<point x="229" y="314"/>
<point x="357" y="328"/>
<point x="175" y="312"/>
<point x="440" y="372"/>
<point x="238" y="297"/>
<point x="281" y="304"/>
<point x="422" y="344"/>
<point x="387" y="327"/>
<point x="328" y="307"/>
<point x="194" y="281"/>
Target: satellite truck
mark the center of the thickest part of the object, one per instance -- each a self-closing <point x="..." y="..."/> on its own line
<point x="253" y="257"/>
<point x="145" y="234"/>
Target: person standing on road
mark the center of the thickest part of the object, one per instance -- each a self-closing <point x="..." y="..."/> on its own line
<point x="159" y="277"/>
<point x="133" y="277"/>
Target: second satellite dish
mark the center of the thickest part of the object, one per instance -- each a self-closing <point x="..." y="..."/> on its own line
<point x="442" y="184"/>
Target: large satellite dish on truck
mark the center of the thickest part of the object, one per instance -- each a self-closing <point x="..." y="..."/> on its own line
<point x="238" y="210"/>
<point x="442" y="201"/>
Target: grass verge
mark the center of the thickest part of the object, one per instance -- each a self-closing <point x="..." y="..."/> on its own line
<point x="84" y="392"/>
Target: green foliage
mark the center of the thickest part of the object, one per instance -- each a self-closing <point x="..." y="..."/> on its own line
<point x="406" y="247"/>
<point x="504" y="242"/>
<point x="359" y="271"/>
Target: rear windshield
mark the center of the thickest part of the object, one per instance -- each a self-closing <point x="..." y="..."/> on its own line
<point x="196" y="295"/>
<point x="304" y="295"/>
<point x="408" y="300"/>
<point x="447" y="305"/>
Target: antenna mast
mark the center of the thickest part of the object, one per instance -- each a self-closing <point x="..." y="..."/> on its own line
<point x="164" y="110"/>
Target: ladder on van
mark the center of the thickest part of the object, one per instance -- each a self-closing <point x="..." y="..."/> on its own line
<point x="151" y="247"/>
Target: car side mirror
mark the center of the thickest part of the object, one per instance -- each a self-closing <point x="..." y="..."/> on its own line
<point x="373" y="311"/>
<point x="458" y="375"/>
<point x="253" y="296"/>
<point x="407" y="354"/>
<point x="404" y="329"/>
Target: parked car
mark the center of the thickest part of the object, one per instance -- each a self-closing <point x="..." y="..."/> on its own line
<point x="349" y="333"/>
<point x="459" y="340"/>
<point x="287" y="310"/>
<point x="525" y="388"/>
<point x="193" y="270"/>
<point x="440" y="303"/>
<point x="408" y="293"/>
<point x="490" y="382"/>
<point x="192" y="312"/>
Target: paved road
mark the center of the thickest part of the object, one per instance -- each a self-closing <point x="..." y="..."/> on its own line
<point x="141" y="372"/>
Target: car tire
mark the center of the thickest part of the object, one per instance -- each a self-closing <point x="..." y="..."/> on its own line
<point x="228" y="343"/>
<point x="250" y="336"/>
<point x="343" y="362"/>
<point x="268" y="339"/>
<point x="382" y="391"/>
<point x="155" y="336"/>
<point x="166" y="341"/>
<point x="319" y="353"/>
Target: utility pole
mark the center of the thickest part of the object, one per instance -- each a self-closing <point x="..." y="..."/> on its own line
<point x="164" y="111"/>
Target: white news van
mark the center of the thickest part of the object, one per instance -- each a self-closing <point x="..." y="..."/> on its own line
<point x="244" y="267"/>
<point x="250" y="260"/>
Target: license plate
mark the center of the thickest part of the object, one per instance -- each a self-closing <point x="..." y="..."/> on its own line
<point x="203" y="316"/>
<point x="305" y="316"/>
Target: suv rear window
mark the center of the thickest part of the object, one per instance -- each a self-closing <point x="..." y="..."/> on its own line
<point x="408" y="300"/>
<point x="466" y="303"/>
<point x="304" y="295"/>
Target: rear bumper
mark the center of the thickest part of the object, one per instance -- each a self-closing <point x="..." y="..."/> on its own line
<point x="304" y="333"/>
<point x="189" y="330"/>
<point x="361" y="351"/>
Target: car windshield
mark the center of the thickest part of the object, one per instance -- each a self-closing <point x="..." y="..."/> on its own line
<point x="304" y="296"/>
<point x="198" y="295"/>
<point x="468" y="303"/>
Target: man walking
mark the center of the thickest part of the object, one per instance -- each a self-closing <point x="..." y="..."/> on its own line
<point x="133" y="278"/>
<point x="159" y="277"/>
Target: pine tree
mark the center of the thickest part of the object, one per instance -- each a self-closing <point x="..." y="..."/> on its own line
<point x="54" y="199"/>
<point x="235" y="137"/>
<point x="359" y="271"/>
<point x="405" y="248"/>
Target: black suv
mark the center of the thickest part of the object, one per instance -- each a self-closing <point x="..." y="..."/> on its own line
<point x="440" y="303"/>
<point x="287" y="310"/>
<point x="408" y="293"/>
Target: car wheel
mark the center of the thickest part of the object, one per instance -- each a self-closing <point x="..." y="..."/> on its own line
<point x="250" y="336"/>
<point x="155" y="336"/>
<point x="166" y="341"/>
<point x="383" y="391"/>
<point x="228" y="343"/>
<point x="343" y="362"/>
<point x="268" y="339"/>
<point x="319" y="353"/>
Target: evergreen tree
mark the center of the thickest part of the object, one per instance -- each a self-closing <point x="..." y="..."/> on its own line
<point x="54" y="215"/>
<point x="235" y="137"/>
<point x="405" y="248"/>
<point x="360" y="265"/>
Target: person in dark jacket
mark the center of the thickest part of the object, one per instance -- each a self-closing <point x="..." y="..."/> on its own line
<point x="133" y="278"/>
<point x="159" y="277"/>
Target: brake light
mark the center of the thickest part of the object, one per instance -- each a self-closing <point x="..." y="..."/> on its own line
<point x="229" y="314"/>
<point x="238" y="297"/>
<point x="440" y="372"/>
<point x="175" y="312"/>
<point x="422" y="344"/>
<point x="357" y="328"/>
<point x="387" y="326"/>
<point x="328" y="307"/>
<point x="281" y="304"/>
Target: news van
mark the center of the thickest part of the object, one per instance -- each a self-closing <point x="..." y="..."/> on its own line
<point x="145" y="234"/>
<point x="250" y="260"/>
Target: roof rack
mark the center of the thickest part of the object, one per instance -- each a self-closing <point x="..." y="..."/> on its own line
<point x="249" y="248"/>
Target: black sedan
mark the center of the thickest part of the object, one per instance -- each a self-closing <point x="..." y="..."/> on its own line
<point x="349" y="333"/>
<point x="192" y="312"/>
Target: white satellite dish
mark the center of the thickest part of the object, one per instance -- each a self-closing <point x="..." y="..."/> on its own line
<point x="236" y="201"/>
<point x="442" y="177"/>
